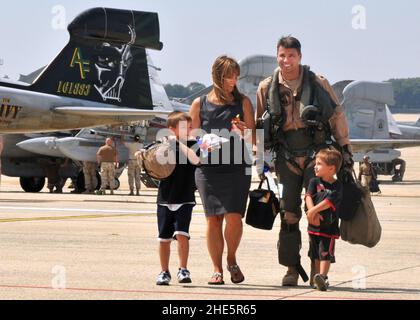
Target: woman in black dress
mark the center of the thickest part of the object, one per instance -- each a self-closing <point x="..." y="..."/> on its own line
<point x="223" y="179"/>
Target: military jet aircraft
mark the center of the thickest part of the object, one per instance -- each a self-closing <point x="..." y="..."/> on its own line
<point x="100" y="77"/>
<point x="27" y="159"/>
<point x="374" y="131"/>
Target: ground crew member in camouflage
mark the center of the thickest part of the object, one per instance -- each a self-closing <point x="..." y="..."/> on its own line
<point x="295" y="87"/>
<point x="52" y="168"/>
<point x="89" y="172"/>
<point x="365" y="172"/>
<point x="107" y="158"/>
<point x="133" y="169"/>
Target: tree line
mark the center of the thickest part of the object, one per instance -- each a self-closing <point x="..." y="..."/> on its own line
<point x="180" y="91"/>
<point x="406" y="92"/>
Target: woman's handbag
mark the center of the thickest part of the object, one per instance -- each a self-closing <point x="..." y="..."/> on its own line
<point x="263" y="208"/>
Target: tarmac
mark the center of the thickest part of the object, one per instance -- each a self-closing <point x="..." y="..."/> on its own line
<point x="73" y="247"/>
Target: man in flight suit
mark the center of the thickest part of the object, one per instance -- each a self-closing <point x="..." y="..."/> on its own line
<point x="292" y="88"/>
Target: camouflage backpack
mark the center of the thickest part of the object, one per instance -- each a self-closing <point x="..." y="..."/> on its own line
<point x="158" y="159"/>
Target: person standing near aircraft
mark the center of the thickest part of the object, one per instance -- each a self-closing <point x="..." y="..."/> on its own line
<point x="89" y="172"/>
<point x="295" y="92"/>
<point x="224" y="187"/>
<point x="52" y="169"/>
<point x="107" y="159"/>
<point x="365" y="172"/>
<point x="133" y="169"/>
<point x="367" y="175"/>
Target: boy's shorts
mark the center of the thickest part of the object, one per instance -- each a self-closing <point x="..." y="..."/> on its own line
<point x="171" y="223"/>
<point x="321" y="248"/>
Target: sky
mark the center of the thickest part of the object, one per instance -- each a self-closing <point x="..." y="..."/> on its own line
<point x="371" y="40"/>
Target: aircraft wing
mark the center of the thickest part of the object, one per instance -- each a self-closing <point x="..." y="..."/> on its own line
<point x="364" y="145"/>
<point x="140" y="114"/>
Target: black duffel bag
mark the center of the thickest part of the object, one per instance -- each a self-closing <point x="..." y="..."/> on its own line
<point x="263" y="208"/>
<point x="352" y="194"/>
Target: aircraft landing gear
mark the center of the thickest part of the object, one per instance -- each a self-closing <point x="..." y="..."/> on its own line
<point x="399" y="169"/>
<point x="32" y="184"/>
<point x="116" y="184"/>
<point x="80" y="186"/>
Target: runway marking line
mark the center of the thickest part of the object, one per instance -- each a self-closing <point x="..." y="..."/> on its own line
<point x="185" y="293"/>
<point x="71" y="217"/>
<point x="123" y="213"/>
<point x="70" y="209"/>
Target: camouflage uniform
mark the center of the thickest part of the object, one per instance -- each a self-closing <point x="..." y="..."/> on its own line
<point x="53" y="176"/>
<point x="365" y="174"/>
<point x="107" y="156"/>
<point x="107" y="176"/>
<point x="289" y="175"/>
<point x="89" y="172"/>
<point x="133" y="169"/>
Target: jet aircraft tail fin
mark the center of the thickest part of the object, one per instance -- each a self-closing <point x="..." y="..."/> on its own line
<point x="365" y="104"/>
<point x="105" y="59"/>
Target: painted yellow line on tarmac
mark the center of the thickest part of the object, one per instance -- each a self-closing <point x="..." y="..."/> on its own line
<point x="93" y="216"/>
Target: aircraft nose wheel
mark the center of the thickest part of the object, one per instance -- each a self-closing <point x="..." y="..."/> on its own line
<point x="116" y="184"/>
<point x="32" y="184"/>
<point x="80" y="185"/>
<point x="397" y="178"/>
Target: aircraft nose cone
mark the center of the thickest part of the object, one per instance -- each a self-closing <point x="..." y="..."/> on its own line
<point x="43" y="145"/>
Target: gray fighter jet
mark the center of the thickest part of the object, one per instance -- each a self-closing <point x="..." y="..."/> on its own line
<point x="373" y="129"/>
<point x="100" y="77"/>
<point x="24" y="156"/>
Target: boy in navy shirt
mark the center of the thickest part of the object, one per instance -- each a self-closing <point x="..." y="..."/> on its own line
<point x="322" y="199"/>
<point x="176" y="200"/>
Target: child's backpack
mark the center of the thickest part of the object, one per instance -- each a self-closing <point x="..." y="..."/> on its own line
<point x="158" y="159"/>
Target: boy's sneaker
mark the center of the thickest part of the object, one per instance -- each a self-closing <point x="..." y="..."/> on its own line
<point x="184" y="276"/>
<point x="163" y="278"/>
<point x="321" y="282"/>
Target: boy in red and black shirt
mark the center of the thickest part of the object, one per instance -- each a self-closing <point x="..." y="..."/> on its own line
<point x="322" y="199"/>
